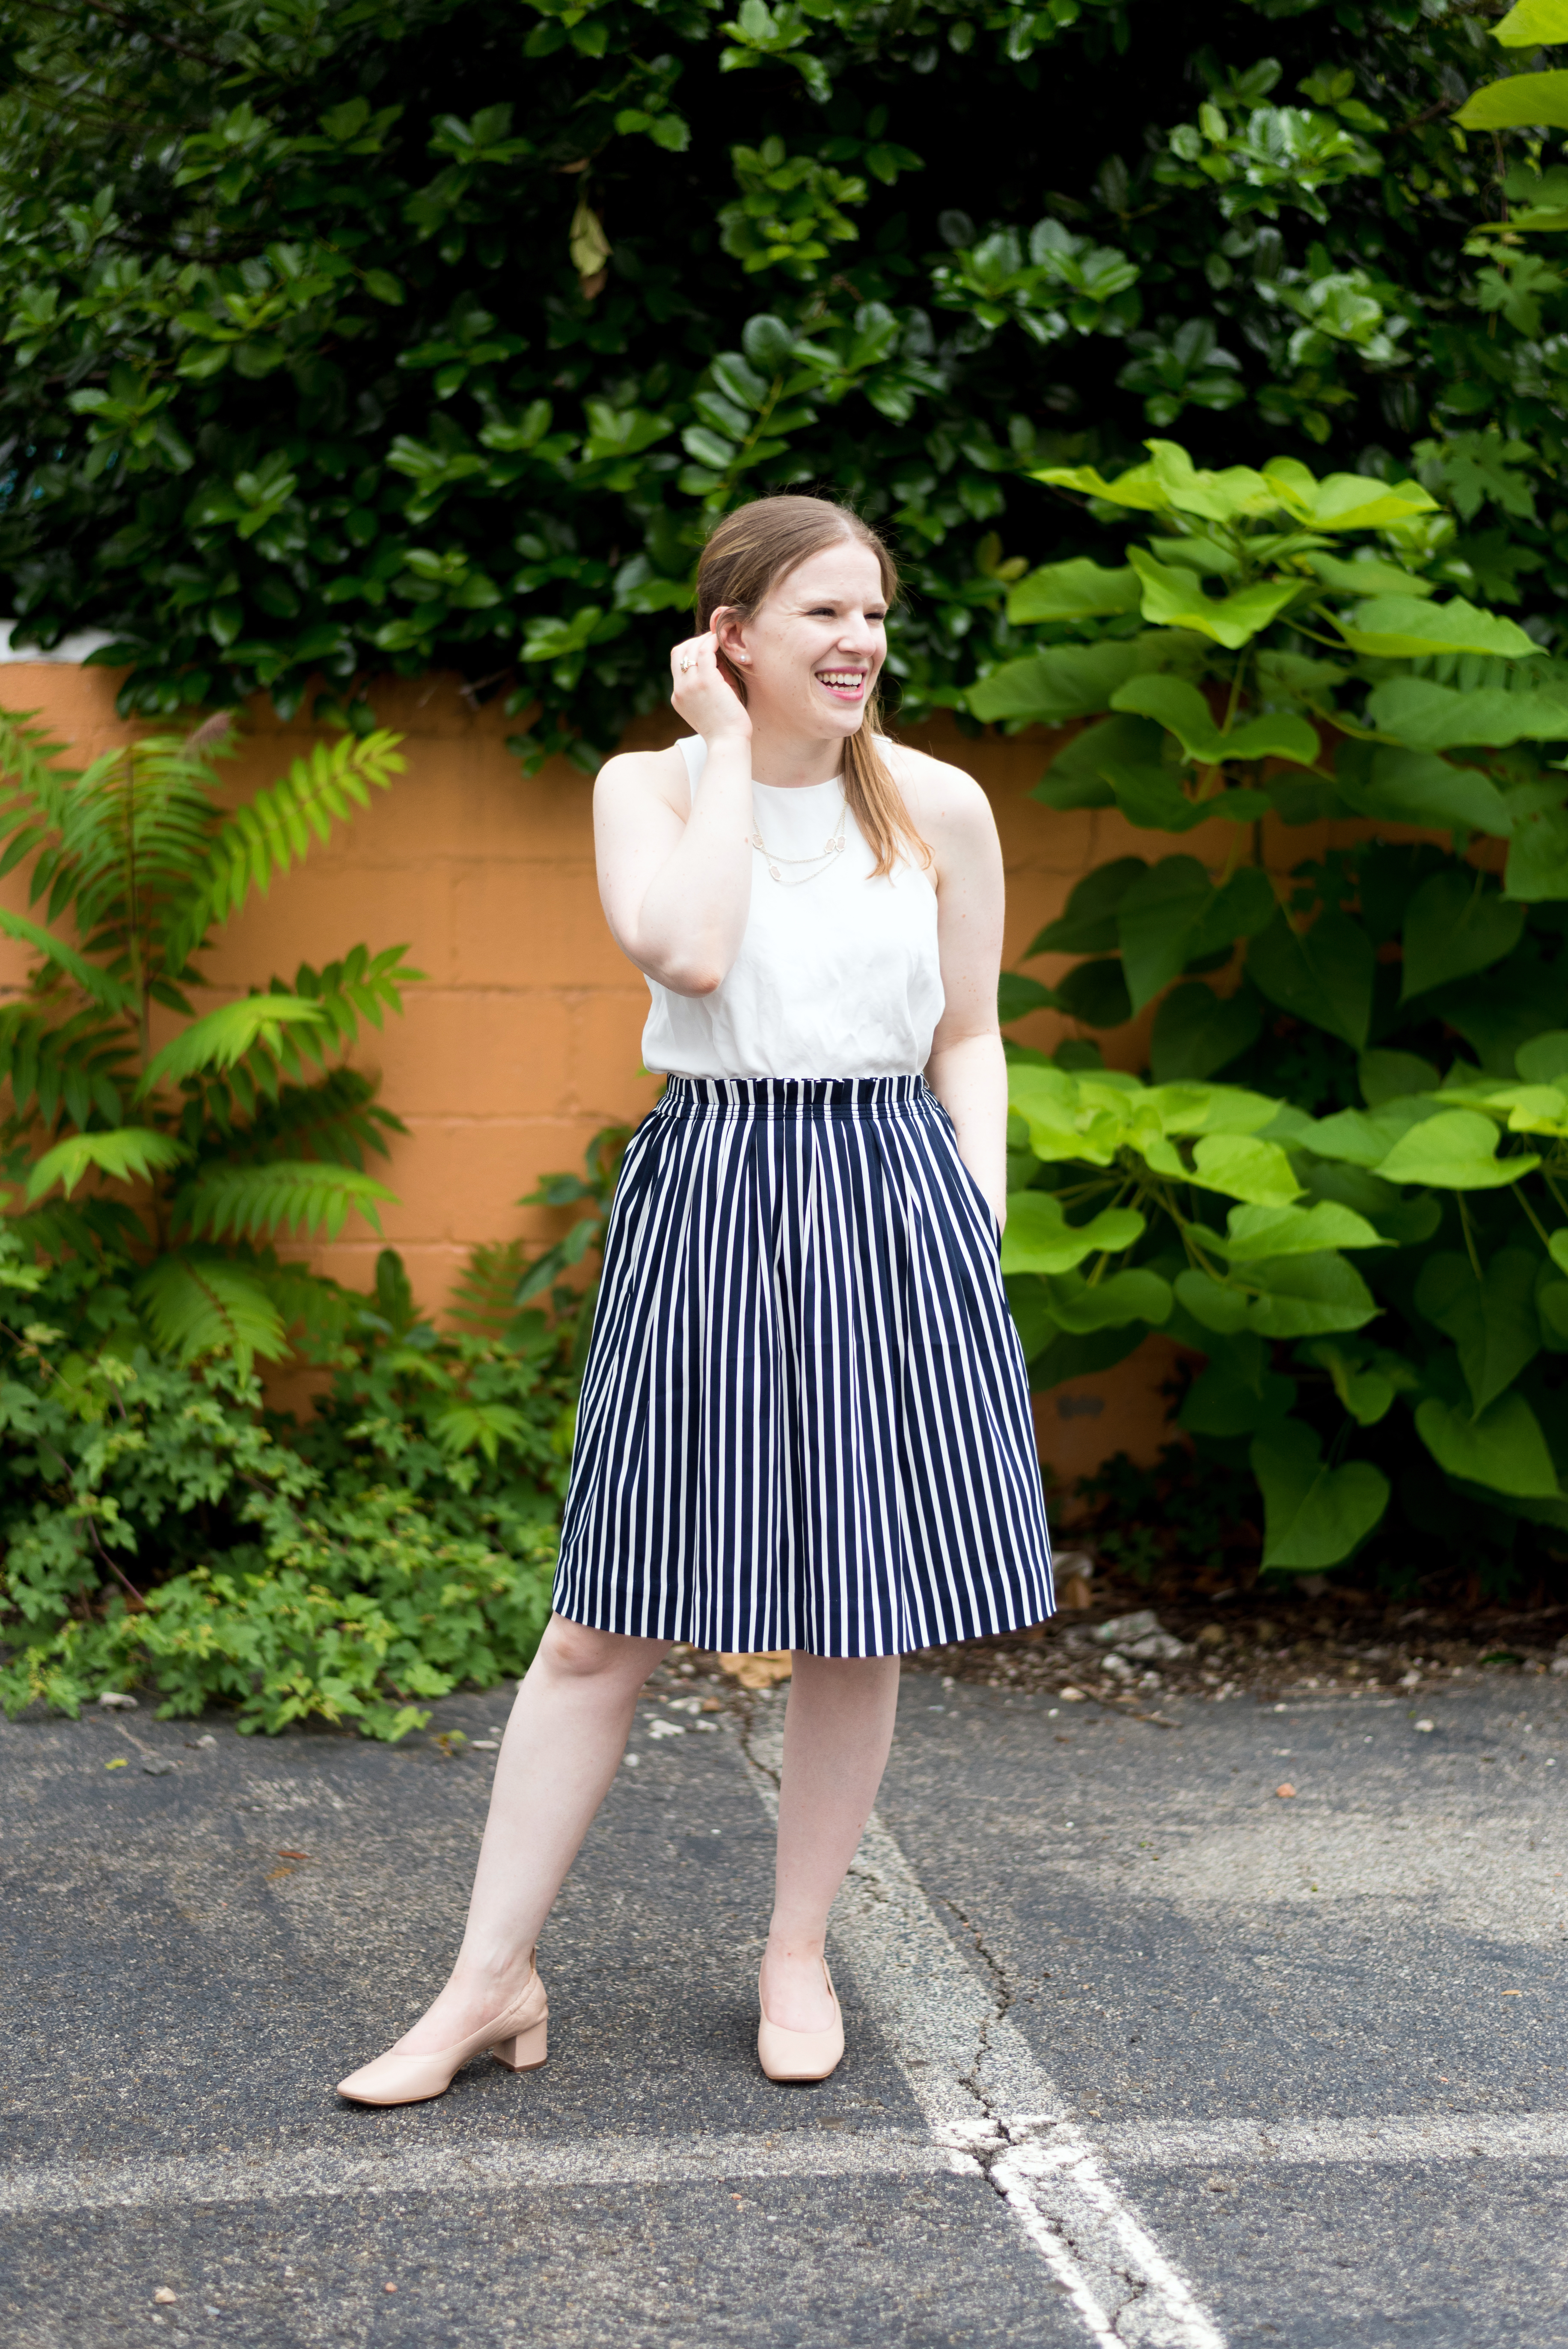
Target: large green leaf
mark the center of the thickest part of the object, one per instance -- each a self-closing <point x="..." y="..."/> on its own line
<point x="1078" y="590"/>
<point x="1017" y="996"/>
<point x="1076" y="776"/>
<point x="1414" y="787"/>
<point x="1455" y="1150"/>
<point x="1345" y="500"/>
<point x="1366" y="576"/>
<point x="221" y="1038"/>
<point x="1079" y="1306"/>
<point x="1402" y="627"/>
<point x="1096" y="994"/>
<point x="1175" y="599"/>
<point x="1038" y="1238"/>
<point x="1504" y="1448"/>
<point x="1537" y="869"/>
<point x="1237" y="1393"/>
<point x="1197" y="1031"/>
<point x="1254" y="1232"/>
<point x="1522" y="102"/>
<point x="1064" y="682"/>
<point x="1534" y="25"/>
<point x="1183" y="710"/>
<point x="1170" y="481"/>
<point x="1325" y="976"/>
<point x="1086" y="925"/>
<point x="130" y="1154"/>
<point x="1171" y="915"/>
<point x="1244" y="1168"/>
<point x="1151" y="798"/>
<point x="1286" y="1297"/>
<point x="1314" y="1517"/>
<point x="1426" y="715"/>
<point x="1493" y="1321"/>
<point x="1454" y="925"/>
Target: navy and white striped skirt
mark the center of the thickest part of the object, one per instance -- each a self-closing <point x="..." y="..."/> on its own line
<point x="805" y="1418"/>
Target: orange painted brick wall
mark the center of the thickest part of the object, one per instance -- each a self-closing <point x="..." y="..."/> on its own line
<point x="523" y="1039"/>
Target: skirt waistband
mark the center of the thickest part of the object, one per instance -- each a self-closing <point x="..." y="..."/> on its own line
<point x="790" y="1096"/>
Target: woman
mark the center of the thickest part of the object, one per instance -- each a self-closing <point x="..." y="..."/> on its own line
<point x="805" y="1421"/>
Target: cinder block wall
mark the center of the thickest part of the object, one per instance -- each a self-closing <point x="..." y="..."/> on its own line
<point x="523" y="1039"/>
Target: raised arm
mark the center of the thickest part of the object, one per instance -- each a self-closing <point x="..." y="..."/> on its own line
<point x="674" y="872"/>
<point x="967" y="1070"/>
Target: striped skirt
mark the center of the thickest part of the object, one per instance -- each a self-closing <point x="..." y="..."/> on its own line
<point x="804" y="1419"/>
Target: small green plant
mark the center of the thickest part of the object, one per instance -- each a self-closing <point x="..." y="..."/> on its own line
<point x="193" y="1154"/>
<point x="161" y="1529"/>
<point x="1373" y="1264"/>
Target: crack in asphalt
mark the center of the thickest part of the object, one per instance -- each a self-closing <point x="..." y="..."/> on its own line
<point x="944" y="2002"/>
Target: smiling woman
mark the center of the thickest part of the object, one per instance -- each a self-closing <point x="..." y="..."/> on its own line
<point x="804" y="1422"/>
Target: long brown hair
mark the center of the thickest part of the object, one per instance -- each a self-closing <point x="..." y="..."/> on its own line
<point x="749" y="552"/>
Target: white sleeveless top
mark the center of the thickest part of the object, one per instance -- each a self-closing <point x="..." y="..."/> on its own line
<point x="837" y="977"/>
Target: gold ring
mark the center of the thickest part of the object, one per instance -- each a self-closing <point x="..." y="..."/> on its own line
<point x="685" y="660"/>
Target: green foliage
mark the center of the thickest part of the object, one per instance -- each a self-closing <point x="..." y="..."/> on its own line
<point x="437" y="335"/>
<point x="160" y="1527"/>
<point x="1369" y="1261"/>
<point x="243" y="1125"/>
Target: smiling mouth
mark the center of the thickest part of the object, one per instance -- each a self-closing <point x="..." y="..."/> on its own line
<point x="847" y="683"/>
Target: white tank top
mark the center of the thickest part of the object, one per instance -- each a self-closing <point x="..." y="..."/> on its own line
<point x="836" y="978"/>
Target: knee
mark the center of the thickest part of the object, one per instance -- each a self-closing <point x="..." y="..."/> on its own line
<point x="573" y="1651"/>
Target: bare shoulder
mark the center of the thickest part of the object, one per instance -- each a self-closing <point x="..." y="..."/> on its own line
<point x="945" y="804"/>
<point x="640" y="777"/>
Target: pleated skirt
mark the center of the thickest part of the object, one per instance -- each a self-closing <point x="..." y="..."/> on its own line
<point x="804" y="1416"/>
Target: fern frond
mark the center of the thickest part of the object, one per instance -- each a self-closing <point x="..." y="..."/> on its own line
<point x="200" y="1304"/>
<point x="110" y="994"/>
<point x="34" y="791"/>
<point x="133" y="840"/>
<point x="127" y="1155"/>
<point x="221" y="1038"/>
<point x="75" y="1064"/>
<point x="458" y="1427"/>
<point x="273" y="830"/>
<point x="362" y="986"/>
<point x="483" y="1296"/>
<point x="291" y="1196"/>
<point x="320" y="1309"/>
<point x="337" y="1118"/>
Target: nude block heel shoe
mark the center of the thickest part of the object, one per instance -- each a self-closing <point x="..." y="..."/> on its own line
<point x="515" y="2037"/>
<point x="802" y="2054"/>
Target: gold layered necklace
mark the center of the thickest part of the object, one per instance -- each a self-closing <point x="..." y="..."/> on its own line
<point x="834" y="846"/>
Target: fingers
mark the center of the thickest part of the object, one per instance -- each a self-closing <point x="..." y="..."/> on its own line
<point x="696" y="653"/>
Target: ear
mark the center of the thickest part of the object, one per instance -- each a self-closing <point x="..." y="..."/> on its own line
<point x="729" y="634"/>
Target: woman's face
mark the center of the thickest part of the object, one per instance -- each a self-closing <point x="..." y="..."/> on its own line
<point x="812" y="652"/>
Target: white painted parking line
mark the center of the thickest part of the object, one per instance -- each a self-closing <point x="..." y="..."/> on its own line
<point x="1419" y="2138"/>
<point x="986" y="2099"/>
<point x="326" y="2170"/>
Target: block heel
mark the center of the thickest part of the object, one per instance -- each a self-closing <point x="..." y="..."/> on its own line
<point x="527" y="2052"/>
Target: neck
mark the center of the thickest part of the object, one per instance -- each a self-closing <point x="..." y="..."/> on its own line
<point x="790" y="761"/>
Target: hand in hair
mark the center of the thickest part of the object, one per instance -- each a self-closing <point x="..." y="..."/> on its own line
<point x="703" y="694"/>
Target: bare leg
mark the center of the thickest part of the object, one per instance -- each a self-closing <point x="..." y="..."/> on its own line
<point x="562" y="1747"/>
<point x="837" y="1732"/>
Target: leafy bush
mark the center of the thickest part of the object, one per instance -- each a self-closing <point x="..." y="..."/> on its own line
<point x="1373" y="1265"/>
<point x="434" y="335"/>
<point x="161" y="1526"/>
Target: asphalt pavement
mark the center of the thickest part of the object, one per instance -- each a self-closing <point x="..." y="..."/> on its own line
<point x="1143" y="2049"/>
